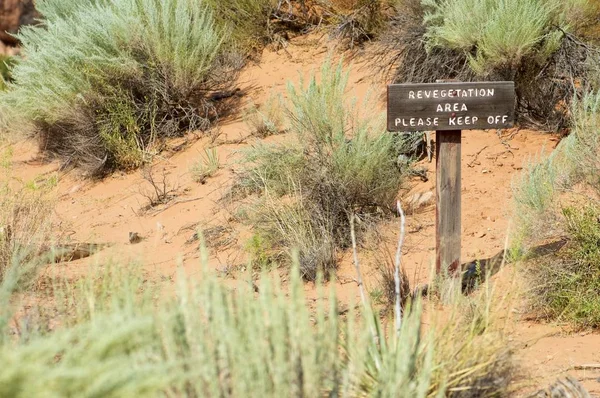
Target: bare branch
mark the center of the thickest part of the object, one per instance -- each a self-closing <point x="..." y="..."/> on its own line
<point x="363" y="297"/>
<point x="398" y="262"/>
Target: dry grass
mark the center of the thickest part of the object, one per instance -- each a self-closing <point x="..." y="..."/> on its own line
<point x="355" y="21"/>
<point x="25" y="225"/>
<point x="266" y="120"/>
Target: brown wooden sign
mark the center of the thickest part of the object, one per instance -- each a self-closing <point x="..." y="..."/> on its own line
<point x="451" y="106"/>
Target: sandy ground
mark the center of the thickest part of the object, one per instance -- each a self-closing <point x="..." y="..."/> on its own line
<point x="107" y="211"/>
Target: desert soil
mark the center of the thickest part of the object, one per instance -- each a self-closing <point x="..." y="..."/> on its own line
<point x="107" y="211"/>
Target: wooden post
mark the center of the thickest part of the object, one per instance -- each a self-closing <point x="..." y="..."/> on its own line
<point x="448" y="197"/>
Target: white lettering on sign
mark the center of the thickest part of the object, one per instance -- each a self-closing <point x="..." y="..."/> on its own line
<point x="417" y="122"/>
<point x="497" y="119"/>
<point x="470" y="93"/>
<point x="456" y="107"/>
<point x="463" y="120"/>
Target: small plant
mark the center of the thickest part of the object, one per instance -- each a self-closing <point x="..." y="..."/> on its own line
<point x="207" y="166"/>
<point x="267" y="119"/>
<point x="259" y="251"/>
<point x="386" y="284"/>
<point x="377" y="296"/>
<point x="355" y="21"/>
<point x="161" y="191"/>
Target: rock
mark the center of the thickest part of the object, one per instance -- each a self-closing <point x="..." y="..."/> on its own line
<point x="13" y="15"/>
<point x="134" y="238"/>
<point x="567" y="387"/>
<point x="420" y="199"/>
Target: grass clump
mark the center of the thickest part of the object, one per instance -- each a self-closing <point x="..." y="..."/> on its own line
<point x="207" y="166"/>
<point x="355" y="21"/>
<point x="267" y="119"/>
<point x="534" y="43"/>
<point x="105" y="82"/>
<point x="248" y="20"/>
<point x="337" y="164"/>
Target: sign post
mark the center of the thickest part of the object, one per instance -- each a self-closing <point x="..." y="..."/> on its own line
<point x="449" y="108"/>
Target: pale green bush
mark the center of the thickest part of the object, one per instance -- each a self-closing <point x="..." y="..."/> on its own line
<point x="502" y="32"/>
<point x="105" y="82"/>
<point x="338" y="162"/>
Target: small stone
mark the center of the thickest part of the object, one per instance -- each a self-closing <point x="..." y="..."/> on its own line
<point x="134" y="238"/>
<point x="420" y="199"/>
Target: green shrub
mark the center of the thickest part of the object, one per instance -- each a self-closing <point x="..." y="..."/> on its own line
<point x="548" y="208"/>
<point x="336" y="164"/>
<point x="7" y="63"/>
<point x="502" y="32"/>
<point x="567" y="285"/>
<point x="105" y="82"/>
<point x="207" y="166"/>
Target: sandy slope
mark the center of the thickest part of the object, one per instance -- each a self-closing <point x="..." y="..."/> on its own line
<point x="105" y="212"/>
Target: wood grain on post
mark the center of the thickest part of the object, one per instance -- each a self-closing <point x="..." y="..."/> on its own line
<point x="448" y="199"/>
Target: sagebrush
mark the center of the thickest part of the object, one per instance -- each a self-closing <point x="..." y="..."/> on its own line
<point x="339" y="162"/>
<point x="105" y="82"/>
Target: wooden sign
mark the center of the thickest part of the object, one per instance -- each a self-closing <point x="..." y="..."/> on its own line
<point x="448" y="108"/>
<point x="451" y="106"/>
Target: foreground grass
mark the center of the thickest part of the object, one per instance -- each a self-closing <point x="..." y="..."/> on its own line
<point x="113" y="333"/>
